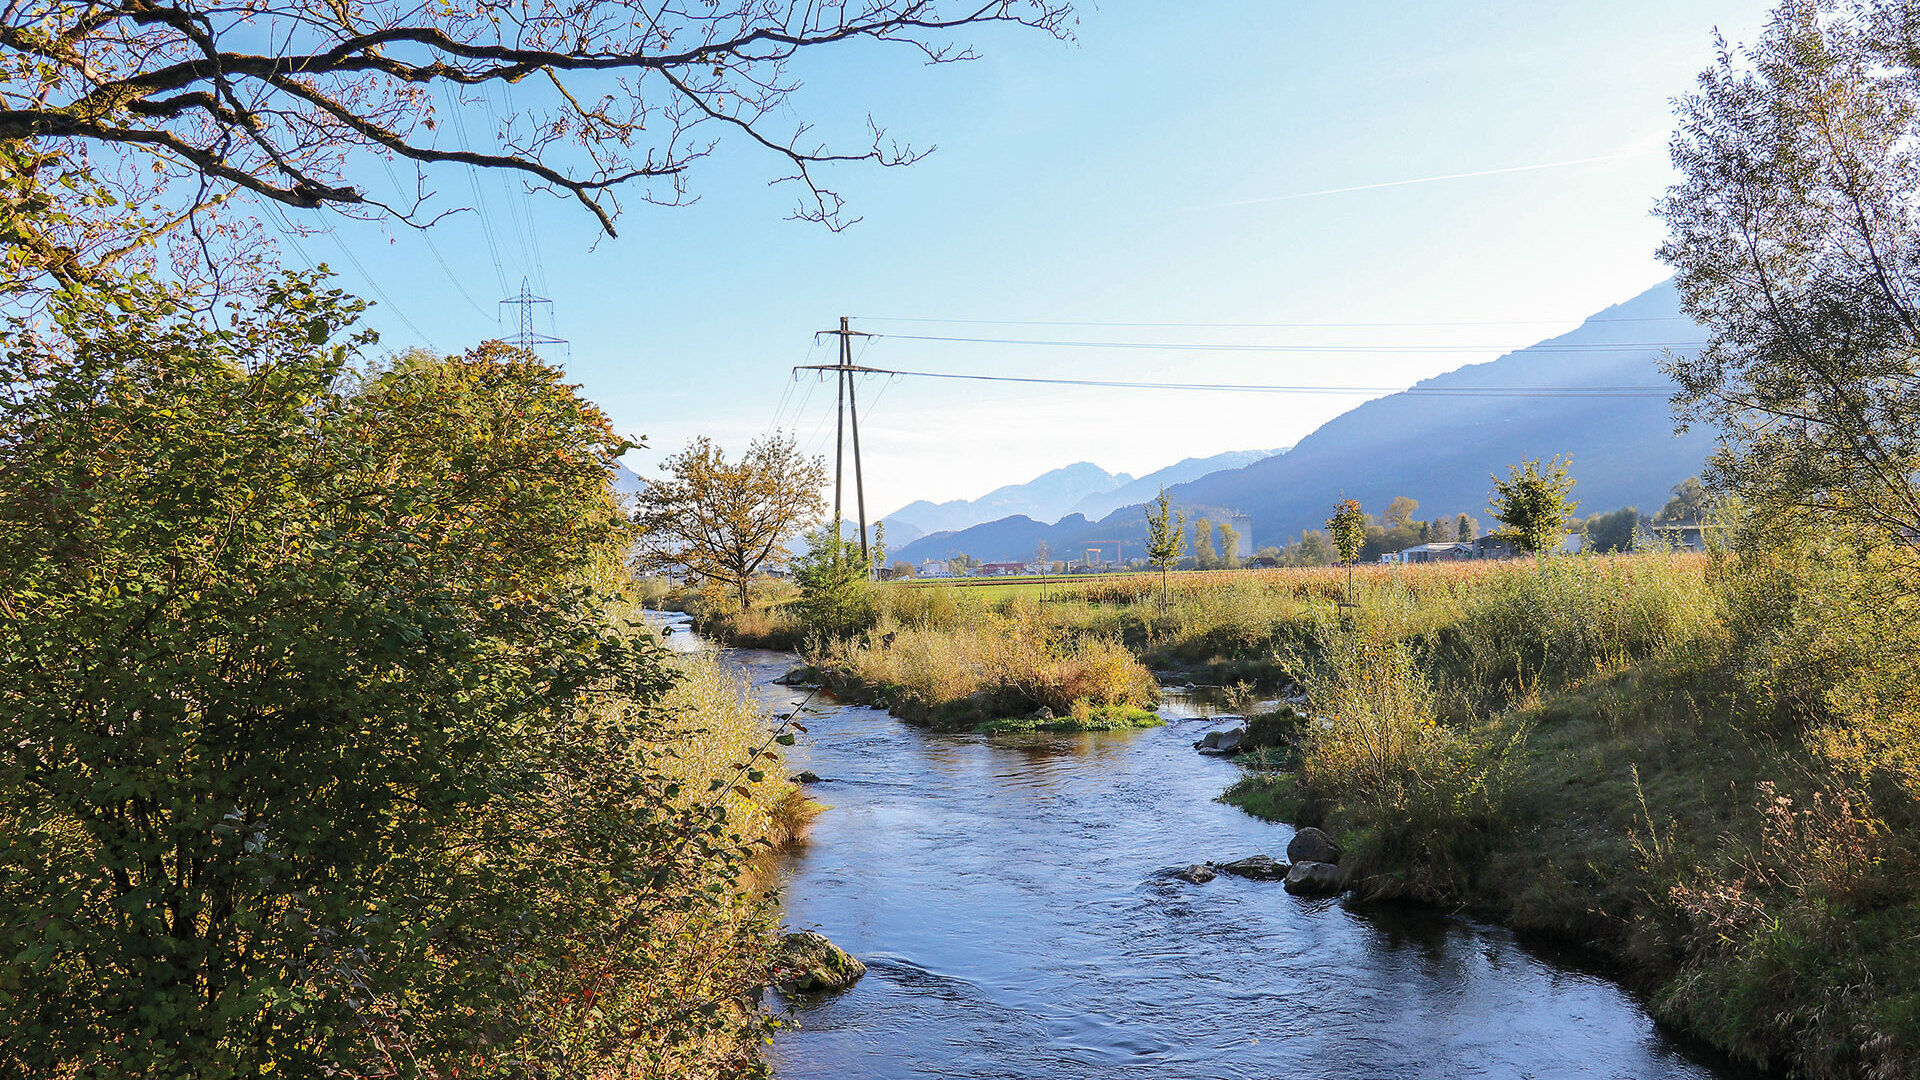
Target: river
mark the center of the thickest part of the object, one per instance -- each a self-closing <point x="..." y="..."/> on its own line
<point x="1010" y="899"/>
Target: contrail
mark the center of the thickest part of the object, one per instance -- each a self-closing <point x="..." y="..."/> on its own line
<point x="1433" y="179"/>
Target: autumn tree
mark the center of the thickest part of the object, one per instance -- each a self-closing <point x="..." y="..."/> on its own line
<point x="1532" y="507"/>
<point x="125" y="125"/>
<point x="723" y="522"/>
<point x="1347" y="529"/>
<point x="1793" y="235"/>
<point x="1166" y="538"/>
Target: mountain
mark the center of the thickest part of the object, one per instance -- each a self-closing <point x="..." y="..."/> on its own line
<point x="627" y="483"/>
<point x="1045" y="497"/>
<point x="1148" y="487"/>
<point x="1442" y="445"/>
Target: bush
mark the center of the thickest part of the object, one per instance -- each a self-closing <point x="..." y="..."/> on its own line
<point x="330" y="749"/>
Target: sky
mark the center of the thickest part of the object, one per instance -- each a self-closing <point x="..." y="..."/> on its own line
<point x="1487" y="167"/>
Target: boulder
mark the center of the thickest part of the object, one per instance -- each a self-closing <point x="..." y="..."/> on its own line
<point x="1222" y="742"/>
<point x="1314" y="879"/>
<point x="800" y="676"/>
<point x="807" y="961"/>
<point x="1256" y="867"/>
<point x="1312" y="846"/>
<point x="1041" y="714"/>
<point x="1198" y="873"/>
<point x="805" y="776"/>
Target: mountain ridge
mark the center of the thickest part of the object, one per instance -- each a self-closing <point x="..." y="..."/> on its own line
<point x="1443" y="450"/>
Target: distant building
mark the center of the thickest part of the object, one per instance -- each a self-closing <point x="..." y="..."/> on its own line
<point x="1681" y="537"/>
<point x="933" y="568"/>
<point x="1001" y="569"/>
<point x="1426" y="553"/>
<point x="1243" y="535"/>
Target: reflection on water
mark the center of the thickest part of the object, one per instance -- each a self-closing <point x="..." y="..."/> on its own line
<point x="1010" y="900"/>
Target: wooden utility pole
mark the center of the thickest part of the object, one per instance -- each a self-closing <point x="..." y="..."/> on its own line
<point x="847" y="413"/>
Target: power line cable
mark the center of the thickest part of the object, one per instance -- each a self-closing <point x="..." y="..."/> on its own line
<point x="1424" y="391"/>
<point x="427" y="235"/>
<point x="1271" y="325"/>
<point x="1186" y="346"/>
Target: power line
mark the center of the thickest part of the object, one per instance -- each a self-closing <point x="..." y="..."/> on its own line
<point x="1182" y="346"/>
<point x="1258" y="388"/>
<point x="1272" y="325"/>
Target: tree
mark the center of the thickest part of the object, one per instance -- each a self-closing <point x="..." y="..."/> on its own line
<point x="1613" y="532"/>
<point x="1166" y="538"/>
<point x="723" y="522"/>
<point x="1348" y="530"/>
<point x="834" y="591"/>
<point x="1204" y="555"/>
<point x="1533" y="505"/>
<point x="317" y="758"/>
<point x="959" y="563"/>
<point x="1792" y="236"/>
<point x="123" y="121"/>
<point x="1229" y="545"/>
<point x="1400" y="513"/>
<point x="901" y="571"/>
<point x="1312" y="549"/>
<point x="1465" y="528"/>
<point x="1688" y="506"/>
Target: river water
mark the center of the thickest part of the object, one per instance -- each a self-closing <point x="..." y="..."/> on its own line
<point x="1010" y="899"/>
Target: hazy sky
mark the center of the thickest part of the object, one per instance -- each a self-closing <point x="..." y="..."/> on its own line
<point x="1205" y="162"/>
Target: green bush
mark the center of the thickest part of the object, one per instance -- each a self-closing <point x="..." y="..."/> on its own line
<point x="329" y="751"/>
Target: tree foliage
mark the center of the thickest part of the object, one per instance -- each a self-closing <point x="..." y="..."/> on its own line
<point x="724" y="522"/>
<point x="835" y="591"/>
<point x="1613" y="531"/>
<point x="123" y="120"/>
<point x="1795" y="237"/>
<point x="1531" y="505"/>
<point x="1347" y="529"/>
<point x="325" y="752"/>
<point x="1166" y="537"/>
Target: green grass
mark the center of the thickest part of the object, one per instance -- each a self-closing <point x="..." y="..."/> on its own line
<point x="1092" y="718"/>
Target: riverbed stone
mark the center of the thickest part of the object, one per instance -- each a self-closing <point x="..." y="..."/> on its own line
<point x="808" y="962"/>
<point x="805" y="776"/>
<point x="1041" y="714"/>
<point x="1314" y="879"/>
<point x="804" y="675"/>
<point x="1313" y="846"/>
<point x="1222" y="743"/>
<point x="1198" y="873"/>
<point x="1255" y="867"/>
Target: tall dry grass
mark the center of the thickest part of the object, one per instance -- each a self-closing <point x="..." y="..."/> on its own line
<point x="991" y="667"/>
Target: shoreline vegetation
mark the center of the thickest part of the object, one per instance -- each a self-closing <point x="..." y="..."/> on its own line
<point x="1695" y="767"/>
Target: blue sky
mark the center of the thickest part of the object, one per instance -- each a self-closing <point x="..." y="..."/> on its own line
<point x="1148" y="172"/>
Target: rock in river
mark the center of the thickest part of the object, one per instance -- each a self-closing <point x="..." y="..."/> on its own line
<point x="1221" y="742"/>
<point x="1314" y="879"/>
<point x="1198" y="873"/>
<point x="1312" y="846"/>
<point x="1257" y="867"/>
<point x="807" y="961"/>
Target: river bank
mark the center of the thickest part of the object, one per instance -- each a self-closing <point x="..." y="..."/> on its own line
<point x="1580" y="749"/>
<point x="1015" y="902"/>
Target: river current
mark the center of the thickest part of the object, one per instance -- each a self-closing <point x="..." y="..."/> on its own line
<point x="1010" y="898"/>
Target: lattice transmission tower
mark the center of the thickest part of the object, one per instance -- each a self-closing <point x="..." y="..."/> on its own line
<point x="527" y="338"/>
